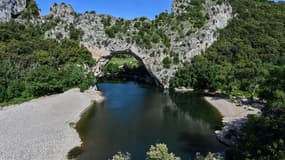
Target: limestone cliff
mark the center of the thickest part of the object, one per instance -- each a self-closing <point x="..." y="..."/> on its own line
<point x="10" y="9"/>
<point x="162" y="45"/>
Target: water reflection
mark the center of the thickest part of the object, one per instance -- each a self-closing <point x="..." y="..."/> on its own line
<point x="135" y="117"/>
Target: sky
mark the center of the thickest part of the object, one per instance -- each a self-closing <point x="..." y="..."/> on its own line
<point x="128" y="9"/>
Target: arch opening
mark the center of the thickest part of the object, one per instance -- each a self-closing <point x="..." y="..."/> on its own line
<point x="126" y="66"/>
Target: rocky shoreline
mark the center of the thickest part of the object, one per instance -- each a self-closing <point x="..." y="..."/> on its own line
<point x="42" y="128"/>
<point x="234" y="116"/>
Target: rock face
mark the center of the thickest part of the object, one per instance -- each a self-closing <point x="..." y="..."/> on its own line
<point x="10" y="9"/>
<point x="177" y="6"/>
<point x="162" y="45"/>
<point x="62" y="12"/>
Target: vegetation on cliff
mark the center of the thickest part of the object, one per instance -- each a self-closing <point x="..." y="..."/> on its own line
<point x="245" y="55"/>
<point x="31" y="10"/>
<point x="148" y="33"/>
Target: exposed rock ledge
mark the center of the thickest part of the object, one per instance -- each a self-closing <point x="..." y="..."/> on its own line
<point x="233" y="116"/>
<point x="40" y="129"/>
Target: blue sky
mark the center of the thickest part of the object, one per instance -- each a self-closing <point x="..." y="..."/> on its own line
<point x="128" y="9"/>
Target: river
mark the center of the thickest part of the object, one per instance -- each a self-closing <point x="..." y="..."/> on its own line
<point x="135" y="116"/>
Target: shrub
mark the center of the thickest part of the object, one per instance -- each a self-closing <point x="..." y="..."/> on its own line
<point x="166" y="62"/>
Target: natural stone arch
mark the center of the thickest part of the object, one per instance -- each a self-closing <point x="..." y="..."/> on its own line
<point x="103" y="57"/>
<point x="179" y="41"/>
<point x="183" y="43"/>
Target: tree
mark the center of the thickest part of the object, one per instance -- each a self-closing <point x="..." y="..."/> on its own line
<point x="274" y="80"/>
<point x="253" y="144"/>
<point x="7" y="74"/>
<point x="166" y="62"/>
<point x="43" y="80"/>
<point x="73" y="75"/>
<point x="250" y="74"/>
<point x="121" y="156"/>
<point x="15" y="89"/>
<point x="88" y="81"/>
<point x="209" y="156"/>
<point x="32" y="10"/>
<point x="160" y="152"/>
<point x="32" y="66"/>
<point x="75" y="34"/>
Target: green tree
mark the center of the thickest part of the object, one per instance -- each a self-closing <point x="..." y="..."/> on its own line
<point x="26" y="56"/>
<point x="43" y="80"/>
<point x="31" y="10"/>
<point x="75" y="34"/>
<point x="166" y="62"/>
<point x="274" y="80"/>
<point x="253" y="144"/>
<point x="73" y="75"/>
<point x="15" y="89"/>
<point x="160" y="152"/>
<point x="209" y="156"/>
<point x="121" y="156"/>
<point x="88" y="81"/>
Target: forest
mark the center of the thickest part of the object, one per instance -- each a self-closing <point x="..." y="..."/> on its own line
<point x="247" y="52"/>
<point x="32" y="66"/>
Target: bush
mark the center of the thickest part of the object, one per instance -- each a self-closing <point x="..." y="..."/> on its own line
<point x="166" y="62"/>
<point x="110" y="32"/>
<point x="75" y="34"/>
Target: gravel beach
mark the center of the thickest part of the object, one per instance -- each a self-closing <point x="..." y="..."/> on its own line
<point x="229" y="110"/>
<point x="233" y="116"/>
<point x="40" y="129"/>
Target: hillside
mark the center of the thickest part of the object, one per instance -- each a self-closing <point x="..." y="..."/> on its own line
<point x="248" y="52"/>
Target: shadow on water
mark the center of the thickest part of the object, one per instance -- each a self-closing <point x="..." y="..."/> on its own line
<point x="188" y="103"/>
<point x="82" y="124"/>
<point x="82" y="128"/>
<point x="133" y="117"/>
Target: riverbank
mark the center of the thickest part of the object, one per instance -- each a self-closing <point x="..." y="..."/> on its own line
<point x="41" y="128"/>
<point x="233" y="115"/>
